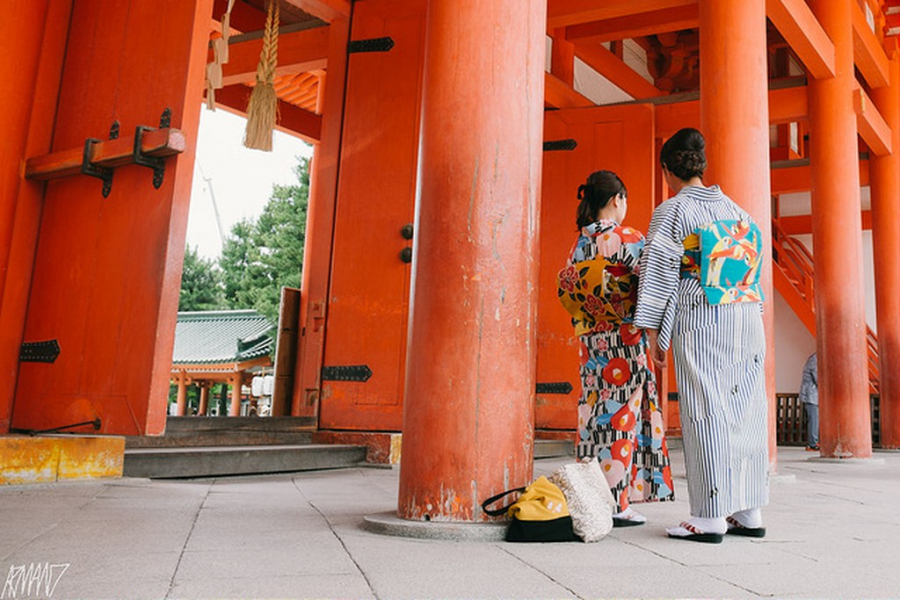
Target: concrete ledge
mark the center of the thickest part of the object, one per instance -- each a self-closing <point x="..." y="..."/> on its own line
<point x="238" y="460"/>
<point x="45" y="459"/>
<point x="383" y="447"/>
<point x="390" y="524"/>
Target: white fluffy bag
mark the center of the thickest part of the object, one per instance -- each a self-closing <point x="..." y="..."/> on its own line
<point x="590" y="501"/>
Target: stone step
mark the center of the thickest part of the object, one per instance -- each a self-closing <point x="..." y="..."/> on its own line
<point x="553" y="448"/>
<point x="215" y="461"/>
<point x="228" y="431"/>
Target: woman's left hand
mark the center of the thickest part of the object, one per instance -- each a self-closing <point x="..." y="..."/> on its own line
<point x="657" y="355"/>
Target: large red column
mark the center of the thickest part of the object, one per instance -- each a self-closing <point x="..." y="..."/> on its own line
<point x="469" y="406"/>
<point x="734" y="117"/>
<point x="845" y="425"/>
<point x="884" y="179"/>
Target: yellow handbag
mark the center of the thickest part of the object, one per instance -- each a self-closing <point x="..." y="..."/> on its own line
<point x="539" y="515"/>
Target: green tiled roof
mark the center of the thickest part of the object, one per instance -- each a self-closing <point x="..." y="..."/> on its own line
<point x="219" y="336"/>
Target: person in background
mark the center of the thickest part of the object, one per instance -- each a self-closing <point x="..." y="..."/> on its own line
<point x="809" y="396"/>
<point x="619" y="419"/>
<point x="699" y="291"/>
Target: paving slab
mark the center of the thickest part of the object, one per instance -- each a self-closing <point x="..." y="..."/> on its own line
<point x="832" y="531"/>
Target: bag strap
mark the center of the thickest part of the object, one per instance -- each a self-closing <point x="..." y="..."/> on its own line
<point x="498" y="511"/>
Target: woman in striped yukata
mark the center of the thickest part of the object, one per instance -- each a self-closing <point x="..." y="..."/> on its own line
<point x="699" y="291"/>
<point x="619" y="420"/>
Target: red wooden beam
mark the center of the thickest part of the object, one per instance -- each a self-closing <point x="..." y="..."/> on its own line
<point x="803" y="32"/>
<point x="791" y="180"/>
<point x="298" y="52"/>
<point x="559" y="95"/>
<point x="291" y="119"/>
<point x="868" y="54"/>
<point x="873" y="129"/>
<point x="787" y="105"/>
<point x="616" y="71"/>
<point x="562" y="13"/>
<point x="105" y="153"/>
<point x="802" y="224"/>
<point x="327" y="10"/>
<point x="638" y="25"/>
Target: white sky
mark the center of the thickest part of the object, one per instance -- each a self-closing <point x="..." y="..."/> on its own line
<point x="241" y="179"/>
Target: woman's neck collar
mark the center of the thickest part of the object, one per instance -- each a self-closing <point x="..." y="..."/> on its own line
<point x="607" y="215"/>
<point x="693" y="182"/>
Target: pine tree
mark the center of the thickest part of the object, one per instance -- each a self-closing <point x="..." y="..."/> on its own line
<point x="261" y="256"/>
<point x="201" y="283"/>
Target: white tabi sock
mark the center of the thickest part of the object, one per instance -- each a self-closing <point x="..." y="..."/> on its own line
<point x="709" y="525"/>
<point x="629" y="514"/>
<point x="750" y="518"/>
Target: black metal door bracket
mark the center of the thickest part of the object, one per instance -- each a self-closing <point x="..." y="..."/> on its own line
<point x="88" y="168"/>
<point x="158" y="165"/>
<point x="382" y="44"/>
<point x="45" y="352"/>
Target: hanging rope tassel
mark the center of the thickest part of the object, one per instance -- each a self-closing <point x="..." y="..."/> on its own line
<point x="262" y="111"/>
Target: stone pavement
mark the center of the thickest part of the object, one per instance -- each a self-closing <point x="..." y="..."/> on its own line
<point x="833" y="532"/>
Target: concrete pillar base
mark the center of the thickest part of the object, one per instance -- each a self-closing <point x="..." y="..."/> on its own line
<point x="390" y="524"/>
<point x="848" y="461"/>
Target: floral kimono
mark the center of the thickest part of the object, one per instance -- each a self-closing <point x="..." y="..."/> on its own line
<point x="619" y="420"/>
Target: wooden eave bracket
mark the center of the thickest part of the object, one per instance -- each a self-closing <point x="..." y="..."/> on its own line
<point x="291" y="119"/>
<point x="616" y="71"/>
<point x="106" y="154"/>
<point x="873" y="129"/>
<point x="804" y="34"/>
<point x="685" y="16"/>
<point x="298" y="52"/>
<point x="562" y="13"/>
<point x="868" y="54"/>
<point x="559" y="95"/>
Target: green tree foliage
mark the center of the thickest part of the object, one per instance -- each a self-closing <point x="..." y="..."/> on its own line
<point x="261" y="256"/>
<point x="201" y="283"/>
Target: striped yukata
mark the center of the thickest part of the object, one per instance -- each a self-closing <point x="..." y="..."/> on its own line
<point x="719" y="352"/>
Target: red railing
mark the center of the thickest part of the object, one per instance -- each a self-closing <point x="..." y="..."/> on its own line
<point x="795" y="263"/>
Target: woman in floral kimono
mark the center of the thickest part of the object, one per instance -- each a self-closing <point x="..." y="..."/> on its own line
<point x="619" y="420"/>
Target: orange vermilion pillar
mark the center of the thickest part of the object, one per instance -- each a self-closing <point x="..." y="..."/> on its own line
<point x="734" y="117"/>
<point x="884" y="178"/>
<point x="234" y="409"/>
<point x="845" y="424"/>
<point x="469" y="407"/>
<point x="204" y="398"/>
<point x="181" y="398"/>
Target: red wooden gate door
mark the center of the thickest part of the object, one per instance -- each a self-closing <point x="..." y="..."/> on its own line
<point x="365" y="341"/>
<point x="107" y="270"/>
<point x="577" y="143"/>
